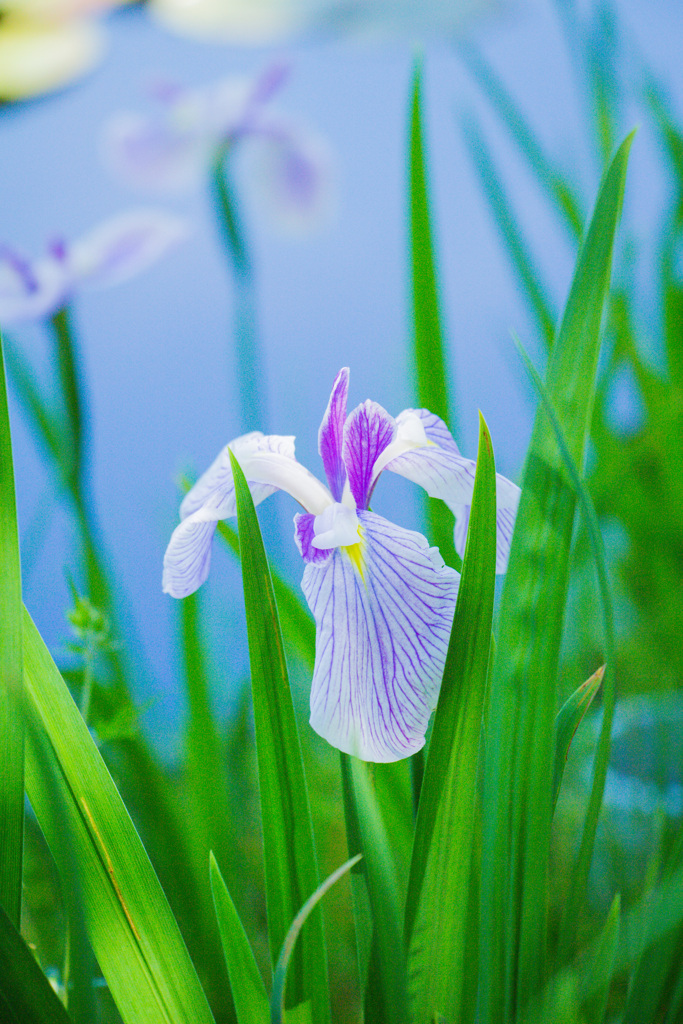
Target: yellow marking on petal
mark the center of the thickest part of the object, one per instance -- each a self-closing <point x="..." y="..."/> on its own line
<point x="356" y="552"/>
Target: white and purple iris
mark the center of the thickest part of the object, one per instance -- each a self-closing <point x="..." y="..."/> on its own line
<point x="287" y="166"/>
<point x="115" y="250"/>
<point x="382" y="599"/>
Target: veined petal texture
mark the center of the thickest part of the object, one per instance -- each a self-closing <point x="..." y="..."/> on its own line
<point x="507" y="500"/>
<point x="383" y="610"/>
<point x="368" y="431"/>
<point x="331" y="434"/>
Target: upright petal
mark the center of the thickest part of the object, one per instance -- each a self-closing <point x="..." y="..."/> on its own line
<point x="331" y="434"/>
<point x="368" y="431"/>
<point x="123" y="246"/>
<point x="383" y="612"/>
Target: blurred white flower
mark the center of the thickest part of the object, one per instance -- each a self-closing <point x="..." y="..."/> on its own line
<point x="115" y="250"/>
<point x="264" y="22"/>
<point x="46" y="43"/>
<point x="288" y="167"/>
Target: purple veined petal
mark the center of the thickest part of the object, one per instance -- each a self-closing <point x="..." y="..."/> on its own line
<point x="304" y="535"/>
<point x="31" y="289"/>
<point x="368" y="431"/>
<point x="268" y="464"/>
<point x="160" y="154"/>
<point x="383" y="619"/>
<point x="188" y="556"/>
<point x="291" y="173"/>
<point x="124" y="246"/>
<point x="331" y="434"/>
<point x="507" y="501"/>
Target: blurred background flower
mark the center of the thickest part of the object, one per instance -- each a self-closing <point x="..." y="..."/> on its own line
<point x="44" y="44"/>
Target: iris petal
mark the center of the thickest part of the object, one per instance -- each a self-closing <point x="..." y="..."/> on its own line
<point x="331" y="434"/>
<point x="383" y="618"/>
<point x="188" y="556"/>
<point x="369" y="430"/>
<point x="507" y="495"/>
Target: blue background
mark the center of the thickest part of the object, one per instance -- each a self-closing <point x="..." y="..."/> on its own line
<point x="156" y="350"/>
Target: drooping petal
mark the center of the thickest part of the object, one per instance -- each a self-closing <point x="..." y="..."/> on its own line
<point x="123" y="246"/>
<point x="304" y="535"/>
<point x="268" y="464"/>
<point x="383" y="612"/>
<point x="331" y="434"/>
<point x="291" y="172"/>
<point x="154" y="153"/>
<point x="30" y="289"/>
<point x="368" y="431"/>
<point x="188" y="556"/>
<point x="507" y="501"/>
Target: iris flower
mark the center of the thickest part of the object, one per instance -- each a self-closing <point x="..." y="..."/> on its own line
<point x="115" y="250"/>
<point x="382" y="599"/>
<point x="170" y="151"/>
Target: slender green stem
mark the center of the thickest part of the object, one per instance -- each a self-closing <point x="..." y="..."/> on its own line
<point x="69" y="377"/>
<point x="248" y="355"/>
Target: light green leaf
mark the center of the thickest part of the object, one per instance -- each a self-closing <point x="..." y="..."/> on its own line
<point x="568" y="720"/>
<point x="133" y="934"/>
<point x="429" y="356"/>
<point x="289" y="848"/>
<point x="598" y="977"/>
<point x="11" y="686"/>
<point x="519" y="764"/>
<point x="248" y="991"/>
<point x="439" y="891"/>
<point x="277" y="996"/>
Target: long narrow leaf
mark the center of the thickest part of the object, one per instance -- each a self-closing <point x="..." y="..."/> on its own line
<point x="429" y="356"/>
<point x="518" y="251"/>
<point x="133" y="934"/>
<point x="289" y="848"/>
<point x="277" y="997"/>
<point x="568" y="720"/>
<point x="518" y="773"/>
<point x="438" y="898"/>
<point x="248" y="990"/>
<point x="11" y="686"/>
<point x="26" y="996"/>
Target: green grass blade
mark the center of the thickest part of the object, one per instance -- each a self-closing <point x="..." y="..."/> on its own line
<point x="388" y="988"/>
<point x="133" y="934"/>
<point x="69" y="378"/>
<point x="26" y="996"/>
<point x="248" y="991"/>
<point x="554" y="184"/>
<point x="437" y="905"/>
<point x="518" y="772"/>
<point x="579" y="879"/>
<point x="41" y="419"/>
<point x="568" y="720"/>
<point x="527" y="273"/>
<point x="11" y="672"/>
<point x="277" y="997"/>
<point x="601" y="967"/>
<point x="289" y="848"/>
<point x="429" y="355"/>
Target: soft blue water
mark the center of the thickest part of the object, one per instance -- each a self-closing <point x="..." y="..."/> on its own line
<point x="156" y="349"/>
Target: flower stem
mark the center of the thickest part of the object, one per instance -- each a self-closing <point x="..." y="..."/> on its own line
<point x="248" y="355"/>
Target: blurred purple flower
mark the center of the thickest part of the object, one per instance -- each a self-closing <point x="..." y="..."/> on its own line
<point x="382" y="599"/>
<point x="115" y="250"/>
<point x="288" y="167"/>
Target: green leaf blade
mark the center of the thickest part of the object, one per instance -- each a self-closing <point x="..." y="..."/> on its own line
<point x="11" y="683"/>
<point x="289" y="847"/>
<point x="439" y="890"/>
